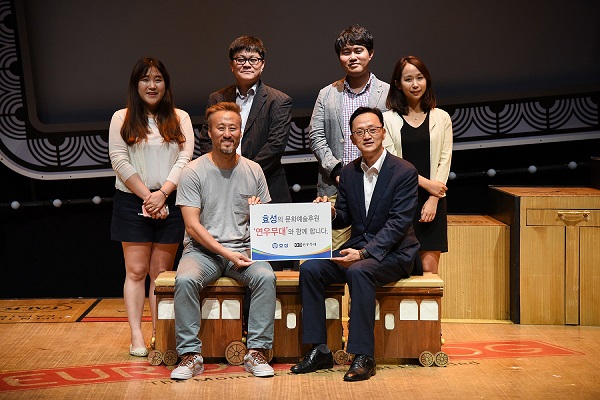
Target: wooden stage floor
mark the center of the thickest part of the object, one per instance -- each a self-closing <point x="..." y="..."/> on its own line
<point x="78" y="349"/>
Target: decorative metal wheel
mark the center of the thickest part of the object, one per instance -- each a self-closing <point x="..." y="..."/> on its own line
<point x="170" y="357"/>
<point x="268" y="354"/>
<point x="341" y="357"/>
<point x="234" y="352"/>
<point x="426" y="359"/>
<point x="155" y="357"/>
<point x="441" y="359"/>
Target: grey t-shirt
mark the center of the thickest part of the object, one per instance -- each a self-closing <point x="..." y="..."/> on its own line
<point x="222" y="195"/>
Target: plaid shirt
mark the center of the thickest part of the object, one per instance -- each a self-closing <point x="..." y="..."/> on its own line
<point x="352" y="101"/>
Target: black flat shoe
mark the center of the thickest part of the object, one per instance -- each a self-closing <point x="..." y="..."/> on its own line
<point x="362" y="368"/>
<point x="313" y="361"/>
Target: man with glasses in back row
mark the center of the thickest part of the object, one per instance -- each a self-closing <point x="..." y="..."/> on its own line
<point x="266" y="114"/>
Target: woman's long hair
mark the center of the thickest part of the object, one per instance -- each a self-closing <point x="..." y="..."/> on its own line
<point x="135" y="126"/>
<point x="396" y="100"/>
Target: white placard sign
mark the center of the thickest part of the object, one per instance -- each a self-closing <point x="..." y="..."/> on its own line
<point x="290" y="231"/>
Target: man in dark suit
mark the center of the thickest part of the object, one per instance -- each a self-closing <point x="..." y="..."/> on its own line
<point x="266" y="114"/>
<point x="377" y="197"/>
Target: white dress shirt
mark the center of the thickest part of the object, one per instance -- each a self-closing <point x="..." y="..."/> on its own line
<point x="245" y="103"/>
<point x="370" y="178"/>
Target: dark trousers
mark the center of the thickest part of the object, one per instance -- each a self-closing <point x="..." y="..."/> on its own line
<point x="362" y="278"/>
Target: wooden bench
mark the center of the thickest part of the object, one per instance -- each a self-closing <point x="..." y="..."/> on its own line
<point x="408" y="320"/>
<point x="221" y="327"/>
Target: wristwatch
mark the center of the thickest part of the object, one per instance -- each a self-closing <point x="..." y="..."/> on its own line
<point x="364" y="253"/>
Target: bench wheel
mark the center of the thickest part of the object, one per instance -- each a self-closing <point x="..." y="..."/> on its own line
<point x="426" y="359"/>
<point x="235" y="352"/>
<point x="268" y="354"/>
<point x="441" y="359"/>
<point x="341" y="357"/>
<point x="170" y="357"/>
<point x="155" y="357"/>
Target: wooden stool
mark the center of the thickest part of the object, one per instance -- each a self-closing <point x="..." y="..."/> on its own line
<point x="408" y="320"/>
<point x="221" y="327"/>
<point x="287" y="341"/>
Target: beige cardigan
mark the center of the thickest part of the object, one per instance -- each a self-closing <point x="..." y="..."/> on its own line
<point x="128" y="160"/>
<point x="440" y="138"/>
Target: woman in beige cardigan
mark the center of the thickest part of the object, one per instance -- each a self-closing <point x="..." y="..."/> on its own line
<point x="421" y="134"/>
<point x="149" y="143"/>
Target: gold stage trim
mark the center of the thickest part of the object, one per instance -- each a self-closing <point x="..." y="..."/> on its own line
<point x="43" y="310"/>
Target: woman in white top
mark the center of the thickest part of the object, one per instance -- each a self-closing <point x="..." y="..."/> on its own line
<point x="421" y="134"/>
<point x="150" y="141"/>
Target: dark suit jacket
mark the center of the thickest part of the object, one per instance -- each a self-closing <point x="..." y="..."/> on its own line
<point x="386" y="232"/>
<point x="265" y="136"/>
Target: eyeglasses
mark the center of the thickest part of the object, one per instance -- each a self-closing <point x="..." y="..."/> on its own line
<point x="252" y="60"/>
<point x="372" y="131"/>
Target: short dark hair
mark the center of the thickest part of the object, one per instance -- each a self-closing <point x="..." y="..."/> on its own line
<point x="222" y="106"/>
<point x="248" y="43"/>
<point x="396" y="100"/>
<point x="365" y="110"/>
<point x="354" y="35"/>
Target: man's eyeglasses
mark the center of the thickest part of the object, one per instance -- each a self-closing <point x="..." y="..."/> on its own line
<point x="372" y="131"/>
<point x="242" y="60"/>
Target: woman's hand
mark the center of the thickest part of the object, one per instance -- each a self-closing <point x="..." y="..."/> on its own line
<point x="429" y="209"/>
<point x="154" y="202"/>
<point x="161" y="214"/>
<point x="435" y="188"/>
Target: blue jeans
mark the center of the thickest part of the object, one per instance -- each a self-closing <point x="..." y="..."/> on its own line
<point x="196" y="270"/>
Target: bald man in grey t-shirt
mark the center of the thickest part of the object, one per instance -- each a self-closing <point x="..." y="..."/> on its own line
<point x="215" y="194"/>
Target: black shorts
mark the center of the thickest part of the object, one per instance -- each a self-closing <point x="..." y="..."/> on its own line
<point x="128" y="226"/>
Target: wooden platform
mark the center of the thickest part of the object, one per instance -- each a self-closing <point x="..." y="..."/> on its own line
<point x="44" y="310"/>
<point x="112" y="310"/>
<point x="490" y="361"/>
<point x="476" y="269"/>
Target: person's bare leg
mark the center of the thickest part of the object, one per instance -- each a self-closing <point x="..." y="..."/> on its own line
<point x="137" y="266"/>
<point x="431" y="261"/>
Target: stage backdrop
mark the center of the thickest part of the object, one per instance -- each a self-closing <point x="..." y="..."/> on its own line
<point x="520" y="80"/>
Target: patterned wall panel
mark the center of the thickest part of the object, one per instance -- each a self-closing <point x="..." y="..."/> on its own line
<point x="40" y="154"/>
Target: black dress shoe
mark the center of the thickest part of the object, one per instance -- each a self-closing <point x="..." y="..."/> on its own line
<point x="314" y="360"/>
<point x="362" y="368"/>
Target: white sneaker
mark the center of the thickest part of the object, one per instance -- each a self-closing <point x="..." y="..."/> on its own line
<point x="191" y="364"/>
<point x="256" y="363"/>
